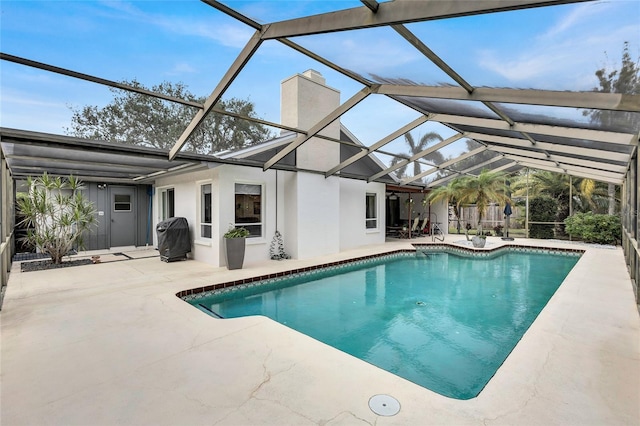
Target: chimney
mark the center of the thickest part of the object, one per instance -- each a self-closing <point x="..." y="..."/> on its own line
<point x="305" y="99"/>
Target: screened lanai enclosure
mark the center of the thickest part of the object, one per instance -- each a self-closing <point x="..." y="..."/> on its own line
<point x="504" y="85"/>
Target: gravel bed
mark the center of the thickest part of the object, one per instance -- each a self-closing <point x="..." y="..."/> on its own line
<point x="48" y="264"/>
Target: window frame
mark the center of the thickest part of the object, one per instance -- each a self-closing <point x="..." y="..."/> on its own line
<point x="116" y="203"/>
<point x="163" y="202"/>
<point x="261" y="223"/>
<point x="374" y="218"/>
<point x="200" y="205"/>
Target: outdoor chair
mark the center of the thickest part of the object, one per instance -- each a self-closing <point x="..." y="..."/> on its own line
<point x="424" y="228"/>
<point x="414" y="228"/>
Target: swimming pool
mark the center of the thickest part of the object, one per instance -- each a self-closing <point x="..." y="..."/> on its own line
<point x="444" y="320"/>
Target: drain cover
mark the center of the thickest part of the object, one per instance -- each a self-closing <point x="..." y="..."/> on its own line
<point x="384" y="405"/>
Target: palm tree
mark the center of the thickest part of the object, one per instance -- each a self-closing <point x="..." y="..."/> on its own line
<point x="586" y="194"/>
<point x="481" y="190"/>
<point x="401" y="171"/>
<point x="449" y="193"/>
<point x="414" y="148"/>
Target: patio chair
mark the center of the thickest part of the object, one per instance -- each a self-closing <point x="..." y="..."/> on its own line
<point x="414" y="228"/>
<point x="424" y="228"/>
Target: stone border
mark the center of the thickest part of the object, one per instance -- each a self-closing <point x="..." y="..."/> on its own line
<point x="201" y="292"/>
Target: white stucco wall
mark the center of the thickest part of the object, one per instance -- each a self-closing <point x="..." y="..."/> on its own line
<point x="314" y="214"/>
<point x="353" y="232"/>
<point x="305" y="99"/>
<point x="288" y="211"/>
<point x="257" y="249"/>
<point x="441" y="209"/>
<point x="186" y="193"/>
<point x="317" y="213"/>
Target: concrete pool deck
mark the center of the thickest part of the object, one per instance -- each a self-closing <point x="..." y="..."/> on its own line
<point x="111" y="344"/>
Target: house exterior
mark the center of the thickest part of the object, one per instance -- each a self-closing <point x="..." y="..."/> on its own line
<point x="122" y="211"/>
<point x="316" y="215"/>
<point x="123" y="215"/>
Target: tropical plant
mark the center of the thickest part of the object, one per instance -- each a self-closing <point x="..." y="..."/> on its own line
<point x="482" y="190"/>
<point x="417" y="147"/>
<point x="470" y="162"/>
<point x="450" y="194"/>
<point x="542" y="208"/>
<point x="234" y="232"/>
<point x="584" y="194"/>
<point x="57" y="214"/>
<point x="138" y="119"/>
<point x="594" y="228"/>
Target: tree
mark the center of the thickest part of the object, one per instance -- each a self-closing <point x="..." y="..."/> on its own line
<point x="450" y="194"/>
<point x="542" y="209"/>
<point x="479" y="158"/>
<point x="415" y="148"/>
<point x="481" y="190"/>
<point x="626" y="80"/>
<point x="585" y="194"/>
<point x="139" y="119"/>
<point x="57" y="214"/>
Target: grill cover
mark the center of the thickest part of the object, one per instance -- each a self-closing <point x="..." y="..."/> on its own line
<point x="173" y="239"/>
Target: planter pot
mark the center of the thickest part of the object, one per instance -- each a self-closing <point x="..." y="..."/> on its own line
<point x="478" y="242"/>
<point x="234" y="249"/>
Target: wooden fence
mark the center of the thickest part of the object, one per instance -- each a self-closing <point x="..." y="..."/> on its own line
<point x="493" y="217"/>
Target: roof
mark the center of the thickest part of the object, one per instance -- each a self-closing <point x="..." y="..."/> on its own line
<point x="499" y="127"/>
<point x="32" y="153"/>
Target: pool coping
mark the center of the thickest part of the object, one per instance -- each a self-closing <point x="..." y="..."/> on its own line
<point x="194" y="295"/>
<point x="190" y="294"/>
<point x="141" y="356"/>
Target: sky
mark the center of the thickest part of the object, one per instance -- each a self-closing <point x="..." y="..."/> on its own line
<point x="553" y="48"/>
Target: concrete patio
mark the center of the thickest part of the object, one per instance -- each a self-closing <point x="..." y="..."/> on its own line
<point x="111" y="344"/>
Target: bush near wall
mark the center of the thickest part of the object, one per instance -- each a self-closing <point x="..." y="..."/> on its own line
<point x="542" y="209"/>
<point x="594" y="228"/>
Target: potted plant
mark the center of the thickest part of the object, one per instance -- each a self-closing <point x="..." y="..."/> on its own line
<point x="234" y="246"/>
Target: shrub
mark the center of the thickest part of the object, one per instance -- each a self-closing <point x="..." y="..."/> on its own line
<point x="594" y="228"/>
<point x="236" y="232"/>
<point x="542" y="209"/>
<point x="57" y="213"/>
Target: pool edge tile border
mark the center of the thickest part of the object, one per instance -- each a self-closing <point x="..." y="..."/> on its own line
<point x="200" y="292"/>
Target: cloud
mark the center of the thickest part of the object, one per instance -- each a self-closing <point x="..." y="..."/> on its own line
<point x="565" y="56"/>
<point x="181" y="68"/>
<point x="522" y="68"/>
<point x="22" y="99"/>
<point x="576" y="16"/>
<point x="366" y="52"/>
<point x="231" y="35"/>
<point x="235" y="36"/>
<point x="23" y="110"/>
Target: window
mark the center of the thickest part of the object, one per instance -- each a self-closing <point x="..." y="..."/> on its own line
<point x="167" y="204"/>
<point x="205" y="210"/>
<point x="371" y="218"/>
<point x="248" y="204"/>
<point x="121" y="202"/>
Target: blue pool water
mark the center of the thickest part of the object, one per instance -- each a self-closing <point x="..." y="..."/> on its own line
<point x="441" y="320"/>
